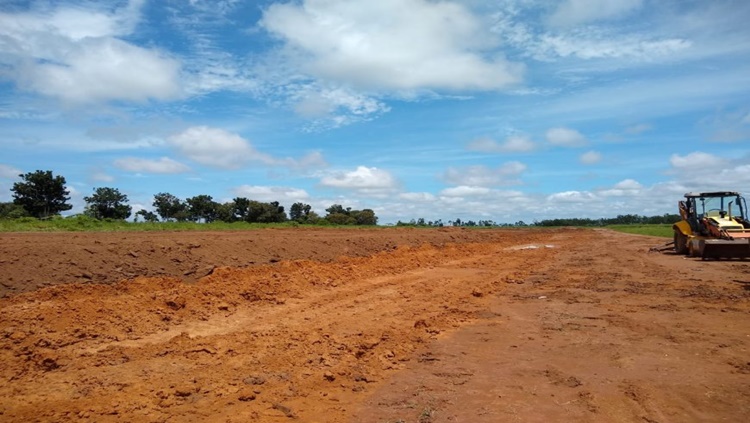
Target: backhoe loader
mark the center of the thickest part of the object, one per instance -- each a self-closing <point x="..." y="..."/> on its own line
<point x="713" y="225"/>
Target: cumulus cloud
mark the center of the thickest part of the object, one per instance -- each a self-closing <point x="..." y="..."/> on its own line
<point x="218" y="148"/>
<point x="706" y="172"/>
<point x="390" y="44"/>
<point x="9" y="172"/>
<point x="627" y="187"/>
<point x="419" y="197"/>
<point x="565" y="137"/>
<point x="271" y="193"/>
<point x="512" y="144"/>
<point x="215" y="147"/>
<point x="465" y="191"/>
<point x="576" y="12"/>
<point x="590" y="157"/>
<point x="76" y="55"/>
<point x="571" y="197"/>
<point x="363" y="179"/>
<point x="483" y="176"/>
<point x="164" y="165"/>
<point x="696" y="161"/>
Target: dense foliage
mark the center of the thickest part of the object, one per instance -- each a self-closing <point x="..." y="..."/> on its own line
<point x="107" y="203"/>
<point x="41" y="194"/>
<point x="628" y="219"/>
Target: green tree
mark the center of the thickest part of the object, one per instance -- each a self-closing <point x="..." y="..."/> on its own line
<point x="241" y="207"/>
<point x="338" y="209"/>
<point x="298" y="211"/>
<point x="338" y="215"/>
<point x="202" y="207"/>
<point x="148" y="216"/>
<point x="108" y="203"/>
<point x="41" y="194"/>
<point x="341" y="219"/>
<point x="367" y="217"/>
<point x="265" y="212"/>
<point x="169" y="207"/>
<point x="302" y="213"/>
<point x="225" y="212"/>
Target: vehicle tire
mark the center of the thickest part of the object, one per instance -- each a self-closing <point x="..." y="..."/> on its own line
<point x="680" y="243"/>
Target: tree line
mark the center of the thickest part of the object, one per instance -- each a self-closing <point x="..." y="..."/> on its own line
<point x="626" y="219"/>
<point x="41" y="195"/>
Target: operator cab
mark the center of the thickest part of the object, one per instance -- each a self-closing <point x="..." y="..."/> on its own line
<point x="725" y="209"/>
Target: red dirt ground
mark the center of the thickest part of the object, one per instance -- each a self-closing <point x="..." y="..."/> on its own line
<point x="388" y="325"/>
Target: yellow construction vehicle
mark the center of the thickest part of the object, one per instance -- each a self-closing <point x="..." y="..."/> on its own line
<point x="713" y="225"/>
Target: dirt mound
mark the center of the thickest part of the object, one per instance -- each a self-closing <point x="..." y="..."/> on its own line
<point x="30" y="261"/>
<point x="427" y="326"/>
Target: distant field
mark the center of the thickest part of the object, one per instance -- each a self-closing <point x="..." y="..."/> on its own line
<point x="84" y="224"/>
<point x="87" y="224"/>
<point x="664" y="230"/>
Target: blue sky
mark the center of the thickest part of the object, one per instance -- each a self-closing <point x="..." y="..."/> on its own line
<point x="505" y="110"/>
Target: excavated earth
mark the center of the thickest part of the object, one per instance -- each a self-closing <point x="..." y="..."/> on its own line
<point x="376" y="325"/>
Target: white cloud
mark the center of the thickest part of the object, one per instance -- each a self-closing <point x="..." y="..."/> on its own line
<point x="706" y="172"/>
<point x="390" y="44"/>
<point x="575" y="12"/>
<point x="512" y="144"/>
<point x="368" y="180"/>
<point x="571" y="197"/>
<point x="9" y="172"/>
<point x="105" y="69"/>
<point x="565" y="137"/>
<point x="313" y="159"/>
<point x="483" y="176"/>
<point x="517" y="24"/>
<point x="601" y="46"/>
<point x="628" y="184"/>
<point x="271" y="193"/>
<point x="419" y="197"/>
<point x="73" y="54"/>
<point x="215" y="147"/>
<point x="627" y="187"/>
<point x="465" y="191"/>
<point x="164" y="165"/>
<point x="590" y="157"/>
<point x="225" y="150"/>
<point x="696" y="161"/>
<point x="334" y="107"/>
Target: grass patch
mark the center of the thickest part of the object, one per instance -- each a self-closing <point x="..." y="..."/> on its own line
<point x="661" y="230"/>
<point x="88" y="224"/>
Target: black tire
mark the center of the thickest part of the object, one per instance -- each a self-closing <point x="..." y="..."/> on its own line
<point x="680" y="243"/>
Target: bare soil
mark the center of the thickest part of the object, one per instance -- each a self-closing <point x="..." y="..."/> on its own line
<point x="386" y="325"/>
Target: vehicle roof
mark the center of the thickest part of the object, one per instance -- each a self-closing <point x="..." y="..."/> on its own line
<point x="712" y="194"/>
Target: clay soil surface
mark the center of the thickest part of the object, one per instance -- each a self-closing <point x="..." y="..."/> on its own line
<point x="387" y="325"/>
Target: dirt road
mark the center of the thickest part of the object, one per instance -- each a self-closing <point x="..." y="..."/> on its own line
<point x="413" y="326"/>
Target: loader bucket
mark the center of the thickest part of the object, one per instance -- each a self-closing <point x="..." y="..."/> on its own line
<point x="721" y="248"/>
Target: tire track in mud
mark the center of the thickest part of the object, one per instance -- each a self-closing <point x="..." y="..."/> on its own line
<point x="381" y="289"/>
<point x="296" y="339"/>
